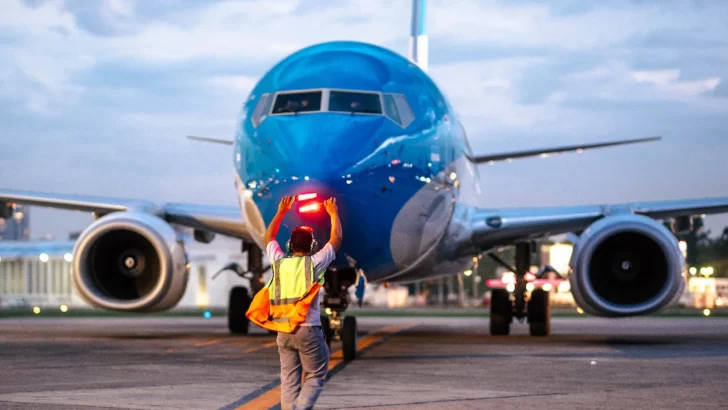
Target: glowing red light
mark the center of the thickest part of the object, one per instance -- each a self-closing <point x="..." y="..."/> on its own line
<point x="310" y="208"/>
<point x="304" y="197"/>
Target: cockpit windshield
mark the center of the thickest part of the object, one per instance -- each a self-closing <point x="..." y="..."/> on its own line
<point x="355" y="102"/>
<point x="297" y="102"/>
<point x="392" y="106"/>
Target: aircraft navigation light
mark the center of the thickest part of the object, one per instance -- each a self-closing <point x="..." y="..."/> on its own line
<point x="304" y="197"/>
<point x="64" y="308"/>
<point x="306" y="178"/>
<point x="310" y="208"/>
<point x="44" y="257"/>
<point x="68" y="257"/>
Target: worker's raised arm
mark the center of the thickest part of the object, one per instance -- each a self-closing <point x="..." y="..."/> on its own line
<point x="275" y="224"/>
<point x="333" y="211"/>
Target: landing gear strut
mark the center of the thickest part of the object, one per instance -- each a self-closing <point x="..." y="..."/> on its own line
<point x="536" y="309"/>
<point x="336" y="300"/>
<point x="240" y="299"/>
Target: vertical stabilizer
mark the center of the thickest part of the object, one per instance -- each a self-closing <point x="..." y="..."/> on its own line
<point x="418" y="38"/>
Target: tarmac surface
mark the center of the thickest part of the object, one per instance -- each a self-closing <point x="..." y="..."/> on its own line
<point x="405" y="363"/>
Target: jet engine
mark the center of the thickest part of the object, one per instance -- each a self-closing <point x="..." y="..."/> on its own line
<point x="129" y="261"/>
<point x="626" y="265"/>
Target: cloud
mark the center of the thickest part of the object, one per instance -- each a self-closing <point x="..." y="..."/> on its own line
<point x="98" y="95"/>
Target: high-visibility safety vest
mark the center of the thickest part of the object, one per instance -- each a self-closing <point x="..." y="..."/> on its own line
<point x="282" y="305"/>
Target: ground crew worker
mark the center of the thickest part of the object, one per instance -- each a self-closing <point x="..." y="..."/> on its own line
<point x="301" y="346"/>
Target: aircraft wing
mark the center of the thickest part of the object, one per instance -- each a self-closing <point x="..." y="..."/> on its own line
<point x="508" y="156"/>
<point x="225" y="220"/>
<point x="496" y="227"/>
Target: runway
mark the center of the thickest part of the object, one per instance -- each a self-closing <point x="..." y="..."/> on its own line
<point x="407" y="363"/>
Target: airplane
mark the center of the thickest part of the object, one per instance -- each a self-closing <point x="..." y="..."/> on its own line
<point x="369" y="126"/>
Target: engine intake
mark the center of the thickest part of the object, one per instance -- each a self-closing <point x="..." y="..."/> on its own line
<point x="130" y="261"/>
<point x="626" y="265"/>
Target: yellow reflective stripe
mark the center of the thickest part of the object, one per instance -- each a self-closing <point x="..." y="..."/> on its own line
<point x="289" y="301"/>
<point x="309" y="271"/>
<point x="277" y="281"/>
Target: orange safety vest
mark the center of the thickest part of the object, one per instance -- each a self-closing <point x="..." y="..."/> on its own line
<point x="282" y="305"/>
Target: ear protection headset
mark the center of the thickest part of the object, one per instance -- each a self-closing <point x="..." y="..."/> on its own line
<point x="314" y="244"/>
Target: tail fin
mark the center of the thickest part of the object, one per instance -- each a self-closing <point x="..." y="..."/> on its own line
<point x="418" y="39"/>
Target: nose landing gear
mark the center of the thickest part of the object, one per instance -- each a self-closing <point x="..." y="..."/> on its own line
<point x="336" y="300"/>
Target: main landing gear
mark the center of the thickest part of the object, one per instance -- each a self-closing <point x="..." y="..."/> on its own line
<point x="504" y="308"/>
<point x="336" y="300"/>
<point x="240" y="299"/>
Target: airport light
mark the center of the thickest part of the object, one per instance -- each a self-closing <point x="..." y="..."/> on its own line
<point x="468" y="272"/>
<point x="706" y="312"/>
<point x="478" y="278"/>
<point x="64" y="308"/>
<point x="529" y="287"/>
<point x="36" y="310"/>
<point x="68" y="257"/>
<point x="547" y="287"/>
<point x="511" y="287"/>
<point x="693" y="270"/>
<point x="44" y="257"/>
<point x="564" y="287"/>
<point x="207" y="314"/>
<point x="580" y="310"/>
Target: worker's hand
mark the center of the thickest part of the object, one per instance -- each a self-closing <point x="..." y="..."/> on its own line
<point x="286" y="204"/>
<point x="330" y="205"/>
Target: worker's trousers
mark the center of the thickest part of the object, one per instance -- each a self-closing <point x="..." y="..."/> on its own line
<point x="304" y="351"/>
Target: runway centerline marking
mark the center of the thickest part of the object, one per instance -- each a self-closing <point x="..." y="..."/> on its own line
<point x="207" y="343"/>
<point x="270" y="395"/>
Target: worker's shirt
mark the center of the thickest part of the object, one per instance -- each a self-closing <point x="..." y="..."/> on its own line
<point x="321" y="260"/>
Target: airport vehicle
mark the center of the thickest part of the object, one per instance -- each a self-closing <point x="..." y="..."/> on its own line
<point x="369" y="126"/>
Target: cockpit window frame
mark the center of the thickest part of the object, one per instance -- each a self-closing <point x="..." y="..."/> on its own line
<point x="325" y="98"/>
<point x="340" y="90"/>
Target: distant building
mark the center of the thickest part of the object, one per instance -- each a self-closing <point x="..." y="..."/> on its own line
<point x="16" y="228"/>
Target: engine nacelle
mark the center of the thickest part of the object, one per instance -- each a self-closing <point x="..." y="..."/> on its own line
<point x="130" y="261"/>
<point x="626" y="265"/>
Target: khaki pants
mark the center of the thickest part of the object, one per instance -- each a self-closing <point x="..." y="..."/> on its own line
<point x="304" y="351"/>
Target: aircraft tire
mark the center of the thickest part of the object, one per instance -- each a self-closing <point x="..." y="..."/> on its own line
<point x="501" y="312"/>
<point x="348" y="338"/>
<point x="539" y="313"/>
<point x="238" y="305"/>
<point x="326" y="327"/>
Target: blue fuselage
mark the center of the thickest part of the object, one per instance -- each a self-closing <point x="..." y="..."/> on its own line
<point x="397" y="186"/>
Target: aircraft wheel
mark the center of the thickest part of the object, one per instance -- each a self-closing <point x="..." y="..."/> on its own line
<point x="238" y="305"/>
<point x="348" y="338"/>
<point x="501" y="312"/>
<point x="539" y="313"/>
<point x="326" y="327"/>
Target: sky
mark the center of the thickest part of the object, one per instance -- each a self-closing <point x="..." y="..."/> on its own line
<point x="98" y="96"/>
